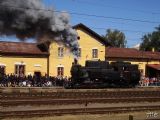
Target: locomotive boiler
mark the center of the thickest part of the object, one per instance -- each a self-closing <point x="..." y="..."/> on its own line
<point x="102" y="74"/>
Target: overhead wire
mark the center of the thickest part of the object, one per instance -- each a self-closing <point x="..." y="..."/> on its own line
<point x="92" y="15"/>
<point x="117" y="7"/>
<point x="89" y="27"/>
<point x="84" y="14"/>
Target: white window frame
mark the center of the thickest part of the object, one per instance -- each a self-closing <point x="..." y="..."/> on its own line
<point x="60" y="51"/>
<point x="1" y="64"/>
<point x="37" y="65"/>
<point x="17" y="71"/>
<point x="94" y="56"/>
<point x="61" y="71"/>
<point x="20" y="63"/>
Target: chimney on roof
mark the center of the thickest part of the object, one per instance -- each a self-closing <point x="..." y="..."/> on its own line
<point x="153" y="49"/>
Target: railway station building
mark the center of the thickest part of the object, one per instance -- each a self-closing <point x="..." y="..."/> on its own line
<point x="148" y="61"/>
<point x="50" y="58"/>
<point x="55" y="59"/>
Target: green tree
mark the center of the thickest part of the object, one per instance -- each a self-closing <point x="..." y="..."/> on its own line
<point x="116" y="38"/>
<point x="151" y="40"/>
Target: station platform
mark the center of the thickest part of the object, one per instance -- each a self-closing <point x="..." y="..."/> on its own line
<point x="62" y="89"/>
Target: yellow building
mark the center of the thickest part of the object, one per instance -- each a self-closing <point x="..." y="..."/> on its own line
<point x="30" y="58"/>
<point x="22" y="58"/>
<point x="91" y="47"/>
<point x="148" y="62"/>
<point x="55" y="59"/>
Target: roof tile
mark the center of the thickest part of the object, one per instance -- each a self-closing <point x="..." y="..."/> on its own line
<point x="112" y="52"/>
<point x="20" y="48"/>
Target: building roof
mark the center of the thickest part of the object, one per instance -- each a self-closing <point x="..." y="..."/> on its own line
<point x="154" y="66"/>
<point x="20" y="48"/>
<point x="112" y="52"/>
<point x="91" y="32"/>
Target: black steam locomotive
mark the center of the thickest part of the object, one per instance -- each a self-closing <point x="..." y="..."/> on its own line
<point x="101" y="74"/>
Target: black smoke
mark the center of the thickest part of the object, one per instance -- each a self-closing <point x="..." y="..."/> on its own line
<point x="31" y="19"/>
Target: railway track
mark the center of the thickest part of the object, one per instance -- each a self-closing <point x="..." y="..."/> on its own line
<point x="11" y="101"/>
<point x="74" y="95"/>
<point x="85" y="110"/>
<point x="76" y="101"/>
<point x="62" y="98"/>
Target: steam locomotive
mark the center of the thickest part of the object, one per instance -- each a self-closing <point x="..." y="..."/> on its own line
<point x="102" y="74"/>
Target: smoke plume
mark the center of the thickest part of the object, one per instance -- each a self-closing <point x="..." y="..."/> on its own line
<point x="31" y="19"/>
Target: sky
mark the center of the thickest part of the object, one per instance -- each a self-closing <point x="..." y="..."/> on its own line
<point x="133" y="17"/>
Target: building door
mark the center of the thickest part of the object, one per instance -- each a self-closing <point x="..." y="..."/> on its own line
<point x="2" y="70"/>
<point x="37" y="74"/>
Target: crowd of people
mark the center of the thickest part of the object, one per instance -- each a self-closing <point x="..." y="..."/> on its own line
<point x="146" y="81"/>
<point x="32" y="81"/>
<point x="48" y="81"/>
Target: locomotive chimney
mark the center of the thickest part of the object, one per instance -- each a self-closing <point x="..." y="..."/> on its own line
<point x="75" y="61"/>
